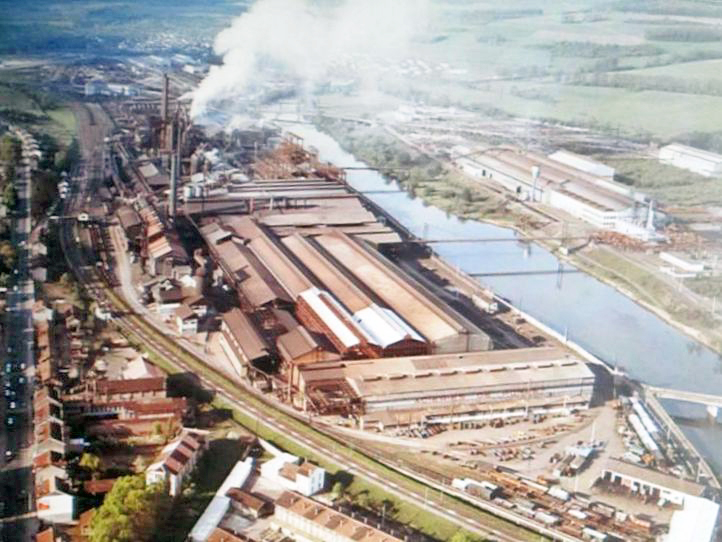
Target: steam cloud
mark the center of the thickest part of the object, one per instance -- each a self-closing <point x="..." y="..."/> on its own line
<point x="304" y="39"/>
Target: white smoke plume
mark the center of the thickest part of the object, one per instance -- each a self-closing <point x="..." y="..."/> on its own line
<point x="305" y="38"/>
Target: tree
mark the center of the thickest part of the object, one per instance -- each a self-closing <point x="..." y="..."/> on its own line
<point x="131" y="512"/>
<point x="10" y="196"/>
<point x="90" y="462"/>
<point x="338" y="489"/>
<point x="8" y="256"/>
<point x="10" y="149"/>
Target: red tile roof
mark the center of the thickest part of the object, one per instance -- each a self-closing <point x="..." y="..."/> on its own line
<point x="138" y="385"/>
<point x="98" y="487"/>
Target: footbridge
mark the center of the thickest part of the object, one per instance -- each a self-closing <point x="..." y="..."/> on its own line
<point x="712" y="402"/>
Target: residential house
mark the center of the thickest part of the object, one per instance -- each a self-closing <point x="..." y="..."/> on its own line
<point x="186" y="320"/>
<point x="129" y="390"/>
<point x="249" y="504"/>
<point x="293" y="474"/>
<point x="177" y="460"/>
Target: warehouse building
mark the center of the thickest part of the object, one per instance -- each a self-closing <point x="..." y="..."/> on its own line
<point x="418" y="310"/>
<point x="382" y="328"/>
<point x="583" y="163"/>
<point x="439" y="388"/>
<point x="241" y="342"/>
<point x="698" y="161"/>
<point x="695" y="519"/>
<point x="589" y="197"/>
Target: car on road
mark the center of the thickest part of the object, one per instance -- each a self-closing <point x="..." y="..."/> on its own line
<point x="10" y="392"/>
<point x="10" y="421"/>
<point x="9" y="455"/>
<point x="8" y="368"/>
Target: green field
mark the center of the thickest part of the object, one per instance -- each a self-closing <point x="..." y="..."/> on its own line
<point x="57" y="121"/>
<point x="704" y="69"/>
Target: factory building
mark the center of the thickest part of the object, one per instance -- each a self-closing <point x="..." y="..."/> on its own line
<point x="648" y="482"/>
<point x="583" y="163"/>
<point x="318" y="306"/>
<point x="381" y="327"/>
<point x="442" y="388"/>
<point x="241" y="342"/>
<point x="698" y="161"/>
<point x="595" y="199"/>
<point x="417" y="308"/>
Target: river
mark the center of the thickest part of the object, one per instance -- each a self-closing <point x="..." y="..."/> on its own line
<point x="594" y="315"/>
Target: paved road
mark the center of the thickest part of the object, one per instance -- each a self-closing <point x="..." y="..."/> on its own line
<point x="16" y="480"/>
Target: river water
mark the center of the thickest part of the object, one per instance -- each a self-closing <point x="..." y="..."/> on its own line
<point x="594" y="315"/>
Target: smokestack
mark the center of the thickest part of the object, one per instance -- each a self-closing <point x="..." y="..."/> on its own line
<point x="175" y="167"/>
<point x="164" y="100"/>
<point x="173" y="187"/>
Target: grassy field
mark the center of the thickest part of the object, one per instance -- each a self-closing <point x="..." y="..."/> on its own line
<point x="667" y="183"/>
<point x="704" y="69"/>
<point x="57" y="121"/>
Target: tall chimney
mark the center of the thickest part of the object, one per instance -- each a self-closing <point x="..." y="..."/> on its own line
<point x="173" y="187"/>
<point x="164" y="100"/>
<point x="175" y="165"/>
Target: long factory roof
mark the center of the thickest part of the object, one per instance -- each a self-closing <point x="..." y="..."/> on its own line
<point x="382" y="325"/>
<point x="553" y="175"/>
<point x="337" y="283"/>
<point x="285" y="271"/>
<point x="409" y="300"/>
<point x="249" y="340"/>
<point x="693" y="152"/>
<point x="390" y="377"/>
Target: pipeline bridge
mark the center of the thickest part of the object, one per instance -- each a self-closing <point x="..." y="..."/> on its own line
<point x="501" y="239"/>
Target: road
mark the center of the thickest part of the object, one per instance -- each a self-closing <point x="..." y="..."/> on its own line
<point x="81" y="260"/>
<point x="16" y="480"/>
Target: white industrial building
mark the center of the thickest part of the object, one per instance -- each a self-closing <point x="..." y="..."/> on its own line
<point x="583" y="163"/>
<point x="578" y="186"/>
<point x="698" y="161"/>
<point x="289" y="472"/>
<point x="696" y="518"/>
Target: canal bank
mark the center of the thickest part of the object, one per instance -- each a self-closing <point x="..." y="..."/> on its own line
<point x="591" y="314"/>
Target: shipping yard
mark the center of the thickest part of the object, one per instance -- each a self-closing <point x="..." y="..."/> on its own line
<point x="226" y="285"/>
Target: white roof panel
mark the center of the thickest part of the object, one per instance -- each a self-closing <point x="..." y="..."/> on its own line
<point x="695" y="523"/>
<point x="313" y="297"/>
<point x="384" y="326"/>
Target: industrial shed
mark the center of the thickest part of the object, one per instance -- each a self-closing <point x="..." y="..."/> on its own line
<point x="433" y="388"/>
<point x="444" y="329"/>
<point x="698" y="161"/>
<point x="241" y="342"/>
